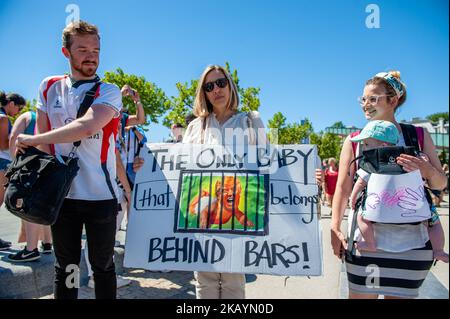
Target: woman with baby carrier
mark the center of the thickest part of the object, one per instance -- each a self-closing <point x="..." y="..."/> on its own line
<point x="403" y="253"/>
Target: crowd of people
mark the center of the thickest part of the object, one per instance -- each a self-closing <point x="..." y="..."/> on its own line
<point x="109" y="157"/>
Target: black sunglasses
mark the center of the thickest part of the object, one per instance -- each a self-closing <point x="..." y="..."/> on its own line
<point x="221" y="83"/>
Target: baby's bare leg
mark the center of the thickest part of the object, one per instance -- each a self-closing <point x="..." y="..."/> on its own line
<point x="368" y="243"/>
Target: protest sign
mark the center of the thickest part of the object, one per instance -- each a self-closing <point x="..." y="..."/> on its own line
<point x="222" y="209"/>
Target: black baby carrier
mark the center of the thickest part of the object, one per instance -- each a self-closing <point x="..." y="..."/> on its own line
<point x="39" y="182"/>
<point x="383" y="161"/>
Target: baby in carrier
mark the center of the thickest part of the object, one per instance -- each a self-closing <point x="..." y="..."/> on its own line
<point x="378" y="134"/>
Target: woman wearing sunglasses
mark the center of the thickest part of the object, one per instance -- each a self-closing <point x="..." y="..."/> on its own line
<point x="216" y="107"/>
<point x="404" y="254"/>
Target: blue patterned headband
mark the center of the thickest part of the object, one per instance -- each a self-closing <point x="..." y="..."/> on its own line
<point x="394" y="82"/>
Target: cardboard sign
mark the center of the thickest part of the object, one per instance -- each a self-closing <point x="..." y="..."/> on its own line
<point x="396" y="198"/>
<point x="216" y="208"/>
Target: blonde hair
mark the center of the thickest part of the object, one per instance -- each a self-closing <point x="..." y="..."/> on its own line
<point x="77" y="28"/>
<point x="388" y="88"/>
<point x="202" y="107"/>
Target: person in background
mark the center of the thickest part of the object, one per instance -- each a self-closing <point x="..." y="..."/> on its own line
<point x="25" y="123"/>
<point x="176" y="133"/>
<point x="178" y="129"/>
<point x="127" y="119"/>
<point x="10" y="105"/>
<point x="131" y="137"/>
<point x="330" y="180"/>
<point x="323" y="197"/>
<point x="135" y="141"/>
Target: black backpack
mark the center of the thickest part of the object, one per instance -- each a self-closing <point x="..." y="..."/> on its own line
<point x="39" y="182"/>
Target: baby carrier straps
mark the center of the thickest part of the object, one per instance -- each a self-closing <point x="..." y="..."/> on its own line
<point x="413" y="136"/>
<point x="359" y="201"/>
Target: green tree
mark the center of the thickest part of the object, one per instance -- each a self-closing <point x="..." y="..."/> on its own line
<point x="316" y="139"/>
<point x="328" y="144"/>
<point x="152" y="97"/>
<point x="249" y="97"/>
<point x="278" y="121"/>
<point x="182" y="104"/>
<point x="436" y="116"/>
<point x="292" y="133"/>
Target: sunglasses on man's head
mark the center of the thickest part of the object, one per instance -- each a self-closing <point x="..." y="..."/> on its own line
<point x="221" y="83"/>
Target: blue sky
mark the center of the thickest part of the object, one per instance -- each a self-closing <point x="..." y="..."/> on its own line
<point x="310" y="58"/>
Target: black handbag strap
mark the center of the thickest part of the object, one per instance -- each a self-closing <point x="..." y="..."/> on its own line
<point x="350" y="252"/>
<point x="86" y="104"/>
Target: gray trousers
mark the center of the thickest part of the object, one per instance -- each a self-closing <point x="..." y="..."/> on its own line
<point x="214" y="285"/>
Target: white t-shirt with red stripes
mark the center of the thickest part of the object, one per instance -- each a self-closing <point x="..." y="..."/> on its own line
<point x="60" y="98"/>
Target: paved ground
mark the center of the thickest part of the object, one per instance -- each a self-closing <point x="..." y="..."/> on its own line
<point x="180" y="285"/>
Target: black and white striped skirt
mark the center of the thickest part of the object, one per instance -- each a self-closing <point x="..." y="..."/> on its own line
<point x="391" y="274"/>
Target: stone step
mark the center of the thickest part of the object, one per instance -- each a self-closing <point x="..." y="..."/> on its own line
<point x="35" y="279"/>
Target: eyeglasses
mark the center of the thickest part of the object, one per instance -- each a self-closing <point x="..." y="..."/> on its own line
<point x="372" y="99"/>
<point x="221" y="83"/>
